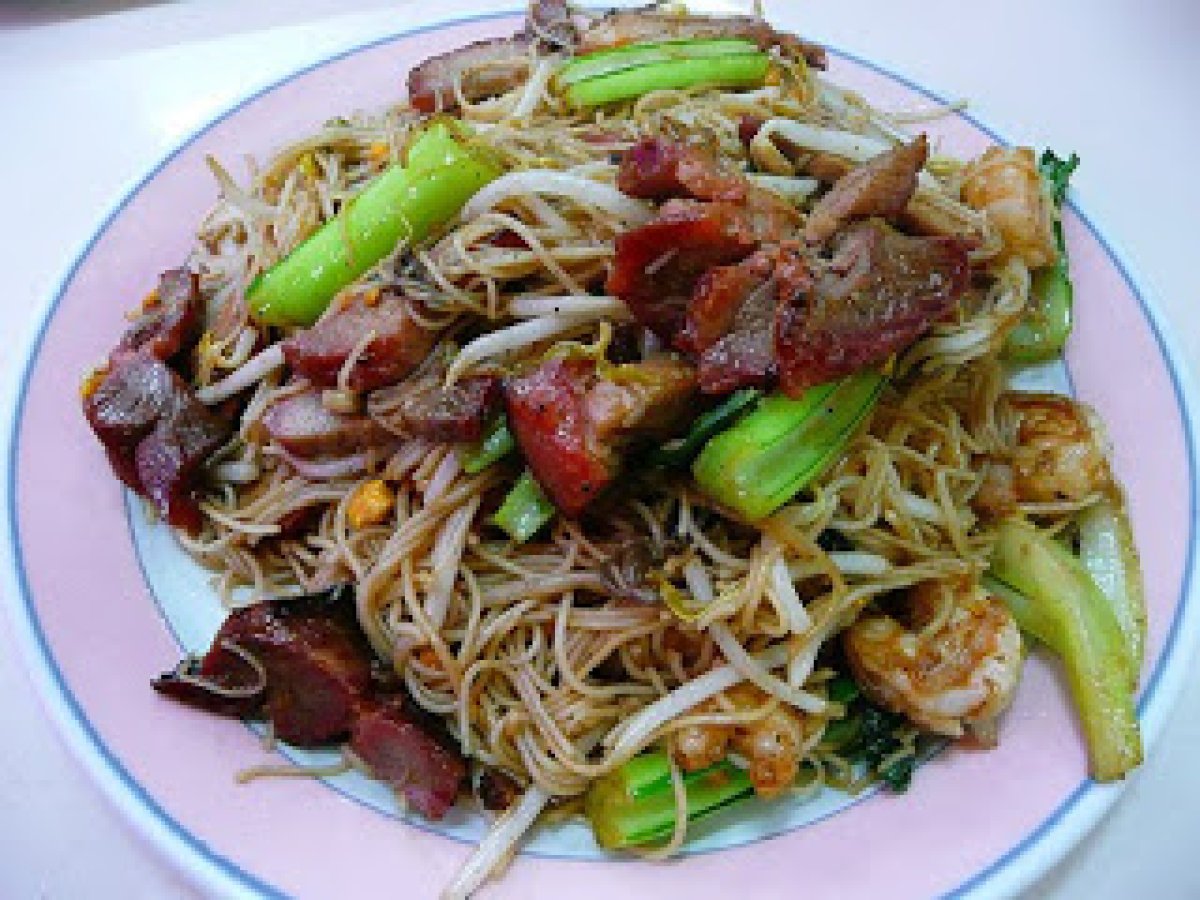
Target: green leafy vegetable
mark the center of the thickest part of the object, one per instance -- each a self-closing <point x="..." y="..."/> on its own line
<point x="1042" y="332"/>
<point x="681" y="451"/>
<point x="525" y="510"/>
<point x="843" y="690"/>
<point x="1057" y="172"/>
<point x="881" y="749"/>
<point x="883" y="743"/>
<point x="633" y="70"/>
<point x="840" y="732"/>
<point x="404" y="203"/>
<point x="635" y="804"/>
<point x="1053" y="598"/>
<point x="490" y="449"/>
<point x="775" y="451"/>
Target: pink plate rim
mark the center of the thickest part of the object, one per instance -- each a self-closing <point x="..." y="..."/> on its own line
<point x="1011" y="871"/>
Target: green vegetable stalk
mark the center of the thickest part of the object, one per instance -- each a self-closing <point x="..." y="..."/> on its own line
<point x="1042" y="332"/>
<point x="770" y="455"/>
<point x="1107" y="552"/>
<point x="635" y="804"/>
<point x="525" y="510"/>
<point x="631" y="71"/>
<point x="633" y="56"/>
<point x="681" y="451"/>
<point x="404" y="203"/>
<point x="1054" y="599"/>
<point x="491" y="448"/>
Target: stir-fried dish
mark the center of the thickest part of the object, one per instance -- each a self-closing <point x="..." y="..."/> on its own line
<point x="620" y="425"/>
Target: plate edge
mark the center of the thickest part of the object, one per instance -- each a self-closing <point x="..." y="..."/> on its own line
<point x="199" y="863"/>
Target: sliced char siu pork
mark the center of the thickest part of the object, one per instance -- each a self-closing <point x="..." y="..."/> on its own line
<point x="156" y="434"/>
<point x="303" y="425"/>
<point x="424" y="406"/>
<point x="651" y="25"/>
<point x="170" y="321"/>
<point x="756" y="301"/>
<point x="396" y="343"/>
<point x="492" y="67"/>
<point x="880" y="292"/>
<point x="656" y="169"/>
<point x="304" y="665"/>
<point x="711" y="217"/>
<point x="572" y="422"/>
<point x="404" y="748"/>
<point x="731" y="321"/>
<point x="311" y="669"/>
<point x="879" y="187"/>
<point x="656" y="267"/>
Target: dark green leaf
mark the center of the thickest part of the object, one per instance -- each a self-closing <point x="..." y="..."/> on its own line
<point x="680" y="452"/>
<point x="1057" y="172"/>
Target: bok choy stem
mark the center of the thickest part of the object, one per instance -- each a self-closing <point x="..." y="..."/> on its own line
<point x="1107" y="552"/>
<point x="525" y="510"/>
<point x="1043" y="330"/>
<point x="404" y="203"/>
<point x="1054" y="599"/>
<point x="771" y="454"/>
<point x="494" y="446"/>
<point x="635" y="804"/>
<point x="623" y="73"/>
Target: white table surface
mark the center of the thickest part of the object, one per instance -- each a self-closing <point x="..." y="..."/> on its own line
<point x="93" y="92"/>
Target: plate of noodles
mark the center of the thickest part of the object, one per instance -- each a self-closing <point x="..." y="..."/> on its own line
<point x="532" y="447"/>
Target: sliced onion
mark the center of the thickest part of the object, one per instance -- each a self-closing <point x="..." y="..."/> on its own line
<point x="510" y="339"/>
<point x="407" y="458"/>
<point x="803" y="662"/>
<point x="534" y="305"/>
<point x="535" y="87"/>
<point x="627" y="740"/>
<point x="859" y="562"/>
<point x="251" y="373"/>
<point x="920" y="507"/>
<point x="243" y="347"/>
<point x="790" y="188"/>
<point x="690" y="605"/>
<point x="755" y="672"/>
<point x="559" y="184"/>
<point x="796" y="617"/>
<point x="444" y="560"/>
<point x="855" y="147"/>
<point x="441" y="478"/>
<point x="493" y="851"/>
<point x="325" y="469"/>
<point x="699" y="582"/>
<point x="238" y="471"/>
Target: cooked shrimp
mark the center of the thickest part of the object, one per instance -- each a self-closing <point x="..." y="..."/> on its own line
<point x="772" y="747"/>
<point x="1004" y="184"/>
<point x="698" y="746"/>
<point x="997" y="494"/>
<point x="955" y="668"/>
<point x="1058" y="455"/>
<point x="769" y="744"/>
